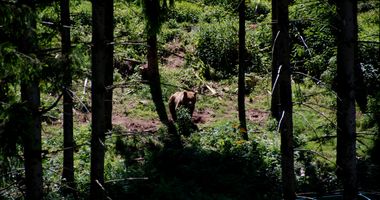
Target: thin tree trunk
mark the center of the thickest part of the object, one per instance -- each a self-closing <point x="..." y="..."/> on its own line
<point x="30" y="95"/>
<point x="68" y="138"/>
<point x="155" y="89"/>
<point x="99" y="64"/>
<point x="275" y="100"/>
<point x="286" y="130"/>
<point x="282" y="107"/>
<point x="109" y="62"/>
<point x="346" y="121"/>
<point x="154" y="79"/>
<point x="241" y="81"/>
<point x="153" y="13"/>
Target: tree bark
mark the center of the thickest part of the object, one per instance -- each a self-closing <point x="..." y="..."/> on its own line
<point x="154" y="79"/>
<point x="275" y="100"/>
<point x="153" y="76"/>
<point x="346" y="120"/>
<point x="153" y="11"/>
<point x="109" y="28"/>
<point x="282" y="107"/>
<point x="68" y="137"/>
<point x="99" y="65"/>
<point x="241" y="79"/>
<point x="30" y="95"/>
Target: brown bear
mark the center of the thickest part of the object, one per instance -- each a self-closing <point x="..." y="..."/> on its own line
<point x="178" y="99"/>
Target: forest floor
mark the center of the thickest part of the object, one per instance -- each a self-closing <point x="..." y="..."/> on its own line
<point x="173" y="61"/>
<point x="199" y="117"/>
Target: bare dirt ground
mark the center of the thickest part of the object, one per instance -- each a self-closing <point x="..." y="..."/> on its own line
<point x="176" y="55"/>
<point x="140" y="125"/>
<point x="257" y="116"/>
<point x="136" y="125"/>
<point x="199" y="117"/>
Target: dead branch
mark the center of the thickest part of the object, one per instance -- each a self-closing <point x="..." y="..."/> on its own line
<point x="45" y="110"/>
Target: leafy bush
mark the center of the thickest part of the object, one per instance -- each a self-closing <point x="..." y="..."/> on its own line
<point x="215" y="164"/>
<point x="229" y="4"/>
<point x="217" y="47"/>
<point x="258" y="10"/>
<point x="369" y="49"/>
<point x="186" y="12"/>
<point x="252" y="10"/>
<point x="312" y="38"/>
<point x="214" y="14"/>
<point x="184" y="124"/>
<point x="259" y="43"/>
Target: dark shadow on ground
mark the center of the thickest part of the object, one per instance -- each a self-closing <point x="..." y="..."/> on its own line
<point x="193" y="173"/>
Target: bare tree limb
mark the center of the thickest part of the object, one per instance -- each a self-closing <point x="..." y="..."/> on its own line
<point x="45" y="110"/>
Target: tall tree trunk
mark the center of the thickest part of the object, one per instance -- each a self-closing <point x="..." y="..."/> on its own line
<point x="153" y="11"/>
<point x="241" y="81"/>
<point x="346" y="121"/>
<point x="30" y="95"/>
<point x="99" y="65"/>
<point x="282" y="107"/>
<point x="275" y="100"/>
<point x="68" y="138"/>
<point x="109" y="26"/>
<point x="154" y="79"/>
<point x="153" y="76"/>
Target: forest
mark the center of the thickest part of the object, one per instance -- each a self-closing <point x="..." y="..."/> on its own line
<point x="190" y="99"/>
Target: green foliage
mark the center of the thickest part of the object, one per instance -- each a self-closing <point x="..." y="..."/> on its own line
<point x="184" y="124"/>
<point x="81" y="21"/>
<point x="369" y="50"/>
<point x="312" y="36"/>
<point x="197" y="12"/>
<point x="16" y="24"/>
<point x="369" y="61"/>
<point x="258" y="10"/>
<point x="215" y="164"/>
<point x="369" y="55"/>
<point x="231" y="4"/>
<point x="314" y="175"/>
<point x="254" y="8"/>
<point x="217" y="47"/>
<point x="155" y="15"/>
<point x="186" y="12"/>
<point x="259" y="46"/>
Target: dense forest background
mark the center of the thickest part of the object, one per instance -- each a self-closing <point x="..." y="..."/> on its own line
<point x="49" y="59"/>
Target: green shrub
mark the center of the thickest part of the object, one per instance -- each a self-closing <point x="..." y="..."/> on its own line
<point x="312" y="36"/>
<point x="186" y="12"/>
<point x="229" y="4"/>
<point x="259" y="43"/>
<point x="214" y="164"/>
<point x="214" y="14"/>
<point x="184" y="124"/>
<point x="217" y="47"/>
<point x="258" y="10"/>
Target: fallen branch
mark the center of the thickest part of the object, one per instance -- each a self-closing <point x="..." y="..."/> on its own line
<point x="45" y="110"/>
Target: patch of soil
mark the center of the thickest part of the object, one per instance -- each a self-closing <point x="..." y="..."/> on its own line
<point x="257" y="116"/>
<point x="202" y="116"/>
<point x="176" y="57"/>
<point x="140" y="125"/>
<point x="136" y="125"/>
<point x="199" y="117"/>
<point x="174" y="61"/>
